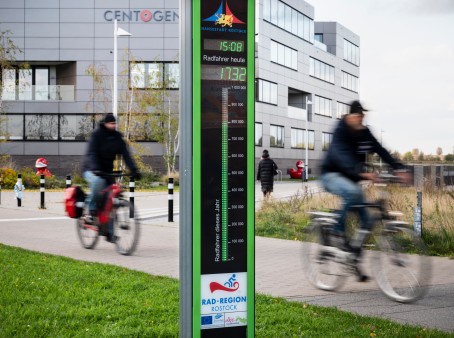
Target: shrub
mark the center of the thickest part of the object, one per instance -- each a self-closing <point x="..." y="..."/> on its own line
<point x="9" y="177"/>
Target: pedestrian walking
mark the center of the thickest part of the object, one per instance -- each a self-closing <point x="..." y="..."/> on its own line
<point x="265" y="174"/>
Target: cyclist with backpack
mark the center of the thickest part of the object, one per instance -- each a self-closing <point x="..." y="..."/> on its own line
<point x="103" y="147"/>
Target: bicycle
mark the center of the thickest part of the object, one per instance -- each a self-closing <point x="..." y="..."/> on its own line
<point x="115" y="212"/>
<point x="400" y="265"/>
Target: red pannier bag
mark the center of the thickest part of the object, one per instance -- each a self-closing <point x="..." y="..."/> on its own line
<point x="74" y="201"/>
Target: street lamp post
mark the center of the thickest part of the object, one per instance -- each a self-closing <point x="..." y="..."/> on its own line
<point x="306" y="166"/>
<point x="117" y="32"/>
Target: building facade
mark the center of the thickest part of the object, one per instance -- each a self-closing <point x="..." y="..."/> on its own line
<point x="51" y="107"/>
<point x="302" y="66"/>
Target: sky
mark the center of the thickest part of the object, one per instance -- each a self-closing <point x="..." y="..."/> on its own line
<point x="406" y="68"/>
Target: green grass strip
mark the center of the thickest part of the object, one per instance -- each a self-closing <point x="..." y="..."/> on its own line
<point x="43" y="295"/>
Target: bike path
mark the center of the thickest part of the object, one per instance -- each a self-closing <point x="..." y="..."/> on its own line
<point x="278" y="263"/>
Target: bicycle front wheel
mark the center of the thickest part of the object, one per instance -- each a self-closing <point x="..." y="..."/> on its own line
<point x="126" y="228"/>
<point x="88" y="234"/>
<point x="401" y="267"/>
<point x="321" y="265"/>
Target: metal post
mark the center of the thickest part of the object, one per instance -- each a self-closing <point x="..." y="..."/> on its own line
<point x="170" y="187"/>
<point x="418" y="215"/>
<point x="68" y="181"/>
<point x="132" y="185"/>
<point x="41" y="189"/>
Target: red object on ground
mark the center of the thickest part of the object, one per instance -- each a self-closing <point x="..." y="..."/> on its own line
<point x="298" y="172"/>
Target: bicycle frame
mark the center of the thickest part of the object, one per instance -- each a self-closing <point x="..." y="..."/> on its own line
<point x="112" y="191"/>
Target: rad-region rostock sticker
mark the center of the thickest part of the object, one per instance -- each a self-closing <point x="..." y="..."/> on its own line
<point x="224" y="300"/>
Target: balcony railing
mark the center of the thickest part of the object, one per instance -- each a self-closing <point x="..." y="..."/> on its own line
<point x="38" y="93"/>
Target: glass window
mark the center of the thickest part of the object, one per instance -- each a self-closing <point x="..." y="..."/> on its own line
<point x="322" y="106"/>
<point x="311" y="140"/>
<point x="327" y="138"/>
<point x="297" y="138"/>
<point x="266" y="10"/>
<point x="294" y="22"/>
<point x="281" y="14"/>
<point x="172" y="75"/>
<point x="288" y="19"/>
<point x="351" y="52"/>
<point x="342" y="109"/>
<point x="284" y="55"/>
<point x="8" y="84"/>
<point x="25" y="84"/>
<point x="42" y="84"/>
<point x="318" y="37"/>
<point x="41" y="127"/>
<point x="300" y="25"/>
<point x="273" y="51"/>
<point x="12" y="127"/>
<point x="258" y="134"/>
<point x="321" y="70"/>
<point x="274" y="6"/>
<point x="276" y="136"/>
<point x="350" y="82"/>
<point x="267" y="92"/>
<point x="76" y="127"/>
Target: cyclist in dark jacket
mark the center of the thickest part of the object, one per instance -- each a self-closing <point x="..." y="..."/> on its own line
<point x="105" y="143"/>
<point x="265" y="173"/>
<point x="342" y="168"/>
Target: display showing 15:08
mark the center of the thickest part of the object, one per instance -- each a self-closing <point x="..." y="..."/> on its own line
<point x="223" y="45"/>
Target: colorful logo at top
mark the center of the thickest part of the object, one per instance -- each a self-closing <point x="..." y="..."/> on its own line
<point x="224" y="17"/>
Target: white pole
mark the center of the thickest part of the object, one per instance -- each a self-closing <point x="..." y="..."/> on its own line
<point x="114" y="97"/>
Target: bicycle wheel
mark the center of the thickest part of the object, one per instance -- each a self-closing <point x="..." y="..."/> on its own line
<point x="88" y="234"/>
<point x="322" y="266"/>
<point x="401" y="267"/>
<point x="126" y="229"/>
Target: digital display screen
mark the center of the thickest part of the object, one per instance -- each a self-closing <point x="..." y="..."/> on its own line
<point x="223" y="73"/>
<point x="223" y="45"/>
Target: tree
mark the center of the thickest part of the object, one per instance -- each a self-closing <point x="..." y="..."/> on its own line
<point x="146" y="114"/>
<point x="415" y="153"/>
<point x="421" y="156"/>
<point x="449" y="158"/>
<point x="8" y="52"/>
<point x="439" y="151"/>
<point x="408" y="157"/>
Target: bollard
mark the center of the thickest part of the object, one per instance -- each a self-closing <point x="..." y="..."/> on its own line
<point x="170" y="187"/>
<point x="132" y="185"/>
<point x="41" y="189"/>
<point x="68" y="181"/>
<point x="418" y="215"/>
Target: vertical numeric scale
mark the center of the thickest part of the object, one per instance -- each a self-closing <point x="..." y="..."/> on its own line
<point x="223" y="168"/>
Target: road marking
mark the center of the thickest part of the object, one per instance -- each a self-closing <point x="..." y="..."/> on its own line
<point x="32" y="219"/>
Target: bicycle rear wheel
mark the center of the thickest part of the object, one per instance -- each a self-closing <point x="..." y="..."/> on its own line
<point x="401" y="267"/>
<point x="126" y="229"/>
<point x="321" y="265"/>
<point x="88" y="234"/>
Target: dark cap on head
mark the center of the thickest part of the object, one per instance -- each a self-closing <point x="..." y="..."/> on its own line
<point x="265" y="154"/>
<point x="109" y="118"/>
<point x="356" y="107"/>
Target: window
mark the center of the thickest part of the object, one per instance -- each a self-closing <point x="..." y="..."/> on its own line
<point x="327" y="138"/>
<point x="321" y="70"/>
<point x="258" y="134"/>
<point x="12" y="127"/>
<point x="322" y="106"/>
<point x="267" y="92"/>
<point x="276" y="136"/>
<point x="342" y="109"/>
<point x="41" y="127"/>
<point x="76" y="127"/>
<point x="289" y="19"/>
<point x="298" y="138"/>
<point x="154" y="75"/>
<point x="350" y="82"/>
<point x="351" y="52"/>
<point x="311" y="140"/>
<point x="318" y="37"/>
<point x="284" y="55"/>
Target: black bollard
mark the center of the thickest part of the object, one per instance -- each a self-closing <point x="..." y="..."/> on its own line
<point x="170" y="187"/>
<point x="132" y="186"/>
<point x="41" y="189"/>
<point x="68" y="181"/>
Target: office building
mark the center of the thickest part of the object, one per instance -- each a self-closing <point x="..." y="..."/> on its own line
<point x="50" y="107"/>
